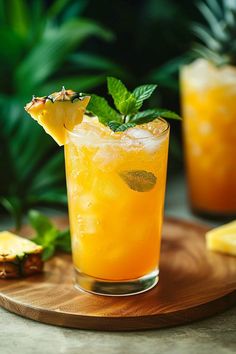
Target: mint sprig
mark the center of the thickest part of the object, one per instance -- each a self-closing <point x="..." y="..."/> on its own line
<point x="48" y="235"/>
<point x="127" y="104"/>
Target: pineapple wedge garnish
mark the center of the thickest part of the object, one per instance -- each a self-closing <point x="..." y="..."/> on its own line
<point x="222" y="239"/>
<point x="18" y="256"/>
<point x="58" y="111"/>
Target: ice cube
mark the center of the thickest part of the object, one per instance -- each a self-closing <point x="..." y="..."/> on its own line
<point x="111" y="192"/>
<point x="190" y="112"/>
<point x="201" y="74"/>
<point x="87" y="134"/>
<point x="138" y="133"/>
<point x="87" y="224"/>
<point x="205" y="128"/>
<point x="74" y="189"/>
<point x="76" y="241"/>
<point x="90" y="132"/>
<point x="86" y="201"/>
<point x="152" y="145"/>
<point x="107" y="157"/>
<point x="144" y="139"/>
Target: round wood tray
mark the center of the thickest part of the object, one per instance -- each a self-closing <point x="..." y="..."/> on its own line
<point x="194" y="283"/>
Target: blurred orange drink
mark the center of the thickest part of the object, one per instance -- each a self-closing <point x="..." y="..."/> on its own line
<point x="209" y="127"/>
<point x="116" y="187"/>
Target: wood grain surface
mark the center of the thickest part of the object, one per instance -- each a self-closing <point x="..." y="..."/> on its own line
<point x="194" y="284"/>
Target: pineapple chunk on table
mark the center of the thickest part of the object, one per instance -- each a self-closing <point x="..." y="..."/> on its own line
<point x="222" y="239"/>
<point x="18" y="256"/>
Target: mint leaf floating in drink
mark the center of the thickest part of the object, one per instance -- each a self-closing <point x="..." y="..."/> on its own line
<point x="139" y="180"/>
<point x="128" y="104"/>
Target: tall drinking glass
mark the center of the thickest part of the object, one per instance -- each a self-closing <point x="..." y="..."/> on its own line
<point x="116" y="187"/>
<point x="209" y="126"/>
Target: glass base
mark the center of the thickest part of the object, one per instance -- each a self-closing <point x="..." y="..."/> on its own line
<point x="115" y="288"/>
<point x="214" y="216"/>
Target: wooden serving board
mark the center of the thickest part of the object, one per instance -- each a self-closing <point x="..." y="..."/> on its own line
<point x="194" y="283"/>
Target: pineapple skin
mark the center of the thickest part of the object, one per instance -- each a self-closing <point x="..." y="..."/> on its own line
<point x="21" y="264"/>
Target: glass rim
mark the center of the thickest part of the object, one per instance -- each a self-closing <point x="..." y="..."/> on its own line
<point x="113" y="141"/>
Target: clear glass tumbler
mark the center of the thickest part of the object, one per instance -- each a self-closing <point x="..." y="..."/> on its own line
<point x="209" y="128"/>
<point x="116" y="187"/>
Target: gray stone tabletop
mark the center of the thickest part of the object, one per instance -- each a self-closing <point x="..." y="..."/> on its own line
<point x="214" y="335"/>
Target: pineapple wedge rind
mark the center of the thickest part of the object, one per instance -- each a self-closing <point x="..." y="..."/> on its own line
<point x="58" y="112"/>
<point x="19" y="256"/>
<point x="222" y="239"/>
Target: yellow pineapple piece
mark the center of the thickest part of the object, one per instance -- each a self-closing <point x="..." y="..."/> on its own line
<point x="18" y="256"/>
<point x="58" y="111"/>
<point x="222" y="239"/>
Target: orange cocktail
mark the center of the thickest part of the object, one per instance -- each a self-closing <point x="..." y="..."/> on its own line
<point x="209" y="123"/>
<point x="116" y="186"/>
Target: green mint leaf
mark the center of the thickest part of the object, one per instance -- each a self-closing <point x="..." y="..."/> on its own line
<point x="117" y="127"/>
<point x="39" y="222"/>
<point x="100" y="108"/>
<point x="125" y="126"/>
<point x="165" y="113"/>
<point x="113" y="125"/>
<point x="139" y="180"/>
<point x="63" y="241"/>
<point x="48" y="252"/>
<point x="48" y="236"/>
<point x="145" y="116"/>
<point x="142" y="93"/>
<point x="117" y="90"/>
<point x="128" y="106"/>
<point x="124" y="100"/>
<point x="150" y="114"/>
<point x="38" y="239"/>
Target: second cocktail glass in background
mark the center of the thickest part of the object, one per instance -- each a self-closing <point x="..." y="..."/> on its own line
<point x="209" y="115"/>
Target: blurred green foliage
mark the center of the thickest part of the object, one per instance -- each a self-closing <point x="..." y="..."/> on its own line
<point x="40" y="51"/>
<point x="46" y="44"/>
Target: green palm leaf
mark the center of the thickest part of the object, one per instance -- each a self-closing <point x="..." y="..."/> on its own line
<point x="49" y="54"/>
<point x="81" y="82"/>
<point x="36" y="50"/>
<point x="19" y="17"/>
